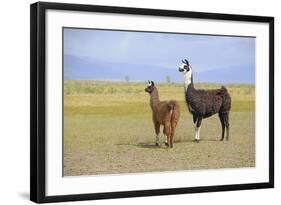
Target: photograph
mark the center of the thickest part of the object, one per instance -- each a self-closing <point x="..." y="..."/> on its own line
<point x="150" y="102"/>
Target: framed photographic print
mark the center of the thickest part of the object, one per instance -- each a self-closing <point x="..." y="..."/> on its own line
<point x="129" y="102"/>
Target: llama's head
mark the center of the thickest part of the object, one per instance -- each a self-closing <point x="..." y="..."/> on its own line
<point x="186" y="69"/>
<point x="150" y="87"/>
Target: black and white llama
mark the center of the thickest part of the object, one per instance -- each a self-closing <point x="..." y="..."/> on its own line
<point x="205" y="103"/>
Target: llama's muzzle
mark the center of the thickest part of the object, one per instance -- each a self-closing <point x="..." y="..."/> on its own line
<point x="181" y="69"/>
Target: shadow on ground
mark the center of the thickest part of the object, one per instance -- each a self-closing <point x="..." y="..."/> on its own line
<point x="153" y="146"/>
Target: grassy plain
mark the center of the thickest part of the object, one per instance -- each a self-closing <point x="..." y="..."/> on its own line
<point x="108" y="130"/>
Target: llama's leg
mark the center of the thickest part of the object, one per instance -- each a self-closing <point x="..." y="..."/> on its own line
<point x="174" y="125"/>
<point x="194" y="119"/>
<point x="227" y="125"/>
<point x="166" y="141"/>
<point x="168" y="133"/>
<point x="222" y="119"/>
<point x="196" y="134"/>
<point x="157" y="131"/>
<point x="166" y="137"/>
<point x="172" y="138"/>
<point x="195" y="122"/>
<point x="197" y="128"/>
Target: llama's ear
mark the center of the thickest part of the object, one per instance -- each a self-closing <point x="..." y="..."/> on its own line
<point x="182" y="61"/>
<point x="152" y="83"/>
<point x="186" y="61"/>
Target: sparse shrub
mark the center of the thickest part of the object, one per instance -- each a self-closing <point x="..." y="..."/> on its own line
<point x="111" y="90"/>
<point x="127" y="78"/>
<point x="168" y="79"/>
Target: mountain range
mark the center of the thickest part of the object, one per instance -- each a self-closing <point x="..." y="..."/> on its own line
<point x="76" y="68"/>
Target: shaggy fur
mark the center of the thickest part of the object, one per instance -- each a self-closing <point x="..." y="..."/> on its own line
<point x="205" y="103"/>
<point x="166" y="113"/>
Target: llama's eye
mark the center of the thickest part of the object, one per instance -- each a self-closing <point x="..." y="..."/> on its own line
<point x="187" y="68"/>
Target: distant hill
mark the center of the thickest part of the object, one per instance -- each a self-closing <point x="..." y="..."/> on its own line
<point x="86" y="69"/>
<point x="238" y="74"/>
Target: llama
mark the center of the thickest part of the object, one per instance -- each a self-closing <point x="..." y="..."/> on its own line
<point x="166" y="113"/>
<point x="205" y="103"/>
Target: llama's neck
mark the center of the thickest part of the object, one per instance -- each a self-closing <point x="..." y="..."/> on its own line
<point x="188" y="80"/>
<point x="190" y="90"/>
<point x="154" y="98"/>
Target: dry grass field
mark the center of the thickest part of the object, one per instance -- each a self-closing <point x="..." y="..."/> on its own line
<point x="108" y="130"/>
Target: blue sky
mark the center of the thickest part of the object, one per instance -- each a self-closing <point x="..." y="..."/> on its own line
<point x="110" y="55"/>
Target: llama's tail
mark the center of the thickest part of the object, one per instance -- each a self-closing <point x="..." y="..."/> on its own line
<point x="171" y="105"/>
<point x="226" y="103"/>
<point x="174" y="108"/>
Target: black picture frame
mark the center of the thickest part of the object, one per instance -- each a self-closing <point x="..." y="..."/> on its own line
<point x="38" y="101"/>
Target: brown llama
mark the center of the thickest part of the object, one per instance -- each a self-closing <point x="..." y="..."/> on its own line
<point x="166" y="113"/>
